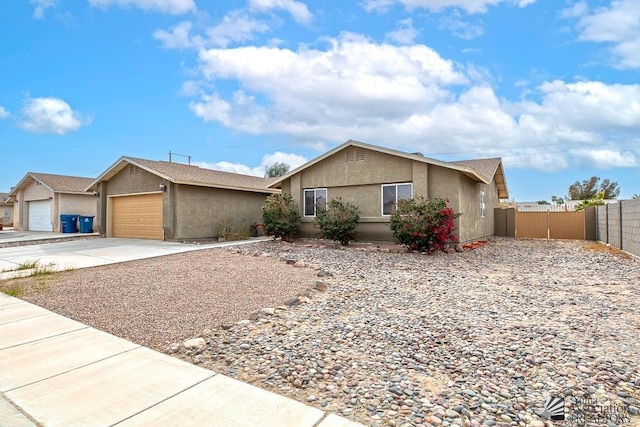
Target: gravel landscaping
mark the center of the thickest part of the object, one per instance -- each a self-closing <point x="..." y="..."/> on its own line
<point x="478" y="337"/>
<point x="158" y="301"/>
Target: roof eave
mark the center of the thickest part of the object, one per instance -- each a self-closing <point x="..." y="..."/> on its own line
<point x="23" y="181"/>
<point x="114" y="169"/>
<point x="229" y="187"/>
<point x="472" y="173"/>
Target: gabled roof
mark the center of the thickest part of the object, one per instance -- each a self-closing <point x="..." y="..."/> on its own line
<point x="188" y="175"/>
<point x="55" y="183"/>
<point x="490" y="169"/>
<point x="481" y="170"/>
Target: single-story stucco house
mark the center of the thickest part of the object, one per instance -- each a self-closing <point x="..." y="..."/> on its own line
<point x="40" y="198"/>
<point x="6" y="210"/>
<point x="150" y="199"/>
<point x="374" y="179"/>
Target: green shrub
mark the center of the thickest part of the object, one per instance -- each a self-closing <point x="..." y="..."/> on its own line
<point x="338" y="221"/>
<point x="280" y="217"/>
<point x="424" y="224"/>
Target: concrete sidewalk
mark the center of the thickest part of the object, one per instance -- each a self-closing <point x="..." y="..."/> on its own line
<point x="55" y="371"/>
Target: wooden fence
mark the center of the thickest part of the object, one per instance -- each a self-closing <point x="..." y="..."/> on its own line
<point x="576" y="225"/>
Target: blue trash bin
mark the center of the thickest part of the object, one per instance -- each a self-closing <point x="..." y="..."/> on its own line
<point x="86" y="224"/>
<point x="68" y="223"/>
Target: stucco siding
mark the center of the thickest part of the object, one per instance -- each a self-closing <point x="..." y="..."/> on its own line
<point x="365" y="168"/>
<point x="358" y="179"/>
<point x="445" y="183"/>
<point x="74" y="204"/>
<point x="31" y="192"/>
<point x="35" y="192"/>
<point x="471" y="224"/>
<point x="6" y="214"/>
<point x="19" y="219"/>
<point x="199" y="210"/>
<point x="131" y="180"/>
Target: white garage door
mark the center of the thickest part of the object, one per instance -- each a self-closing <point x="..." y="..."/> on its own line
<point x="40" y="215"/>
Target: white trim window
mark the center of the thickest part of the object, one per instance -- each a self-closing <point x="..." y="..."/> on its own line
<point x="483" y="207"/>
<point x="392" y="193"/>
<point x="314" y="198"/>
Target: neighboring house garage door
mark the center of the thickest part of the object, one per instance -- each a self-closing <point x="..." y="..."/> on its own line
<point x="138" y="216"/>
<point x="40" y="215"/>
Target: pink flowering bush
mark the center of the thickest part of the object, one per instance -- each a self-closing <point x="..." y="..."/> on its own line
<point x="424" y="225"/>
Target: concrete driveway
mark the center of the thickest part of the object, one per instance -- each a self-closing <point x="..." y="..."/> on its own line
<point x="89" y="253"/>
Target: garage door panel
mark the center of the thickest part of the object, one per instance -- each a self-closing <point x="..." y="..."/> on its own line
<point x="40" y="215"/>
<point x="137" y="216"/>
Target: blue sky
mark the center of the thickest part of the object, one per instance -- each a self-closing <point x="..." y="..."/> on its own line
<point x="551" y="86"/>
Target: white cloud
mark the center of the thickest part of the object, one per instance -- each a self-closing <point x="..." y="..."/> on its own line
<point x="293" y="160"/>
<point x="469" y="6"/>
<point x="618" y="26"/>
<point x="576" y="10"/>
<point x="606" y="158"/>
<point x="172" y="7"/>
<point x="298" y="10"/>
<point x="236" y="27"/>
<point x="460" y="28"/>
<point x="50" y="115"/>
<point x="179" y="37"/>
<point x="3" y="113"/>
<point x="41" y="7"/>
<point x="411" y="98"/>
<point x="404" y="34"/>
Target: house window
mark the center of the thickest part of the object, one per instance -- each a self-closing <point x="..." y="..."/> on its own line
<point x="392" y="193"/>
<point x="313" y="199"/>
<point x="483" y="208"/>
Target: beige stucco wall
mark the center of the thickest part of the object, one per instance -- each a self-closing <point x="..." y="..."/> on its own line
<point x="472" y="225"/>
<point x="128" y="182"/>
<point x="73" y="204"/>
<point x="6" y="214"/>
<point x="189" y="212"/>
<point x="30" y="192"/>
<point x="360" y="183"/>
<point x="200" y="210"/>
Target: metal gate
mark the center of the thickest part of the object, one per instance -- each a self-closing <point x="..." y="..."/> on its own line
<point x="550" y="225"/>
<point x="542" y="225"/>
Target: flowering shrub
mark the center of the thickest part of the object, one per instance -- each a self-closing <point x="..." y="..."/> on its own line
<point x="423" y="224"/>
<point x="338" y="221"/>
<point x="280" y="217"/>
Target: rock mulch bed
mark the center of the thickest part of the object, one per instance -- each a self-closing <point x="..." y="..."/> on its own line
<point x="481" y="337"/>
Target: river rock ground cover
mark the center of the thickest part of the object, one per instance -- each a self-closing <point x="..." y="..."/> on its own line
<point x="479" y="337"/>
<point x="387" y="339"/>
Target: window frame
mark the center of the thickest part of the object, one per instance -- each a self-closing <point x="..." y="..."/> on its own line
<point x="382" y="187"/>
<point x="483" y="205"/>
<point x="315" y="198"/>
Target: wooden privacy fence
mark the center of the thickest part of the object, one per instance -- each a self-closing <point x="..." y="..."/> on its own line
<point x="576" y="225"/>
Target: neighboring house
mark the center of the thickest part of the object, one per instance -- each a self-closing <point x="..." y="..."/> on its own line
<point x="6" y="210"/>
<point x="149" y="199"/>
<point x="40" y="198"/>
<point x="374" y="179"/>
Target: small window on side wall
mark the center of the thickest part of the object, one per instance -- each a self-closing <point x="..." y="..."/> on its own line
<point x="392" y="193"/>
<point x="314" y="199"/>
<point x="483" y="208"/>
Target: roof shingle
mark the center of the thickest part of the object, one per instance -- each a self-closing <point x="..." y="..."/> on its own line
<point x="180" y="173"/>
